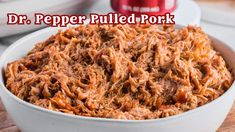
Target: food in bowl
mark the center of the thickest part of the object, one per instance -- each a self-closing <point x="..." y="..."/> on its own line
<point x="131" y="72"/>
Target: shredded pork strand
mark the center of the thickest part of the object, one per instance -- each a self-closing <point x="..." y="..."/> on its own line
<point x="130" y="72"/>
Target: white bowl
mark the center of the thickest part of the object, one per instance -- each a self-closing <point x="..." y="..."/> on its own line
<point x="31" y="118"/>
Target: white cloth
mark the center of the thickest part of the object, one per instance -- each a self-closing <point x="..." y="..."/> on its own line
<point x="223" y="33"/>
<point x="2" y="48"/>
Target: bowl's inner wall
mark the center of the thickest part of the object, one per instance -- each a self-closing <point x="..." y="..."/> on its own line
<point x="226" y="52"/>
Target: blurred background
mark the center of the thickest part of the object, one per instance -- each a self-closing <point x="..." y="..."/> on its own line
<point x="216" y="17"/>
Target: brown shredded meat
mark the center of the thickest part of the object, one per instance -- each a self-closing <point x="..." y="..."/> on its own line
<point x="130" y="72"/>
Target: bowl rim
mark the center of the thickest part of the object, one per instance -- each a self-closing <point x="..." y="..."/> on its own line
<point x="49" y="30"/>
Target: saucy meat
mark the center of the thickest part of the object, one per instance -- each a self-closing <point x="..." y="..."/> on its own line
<point x="130" y="72"/>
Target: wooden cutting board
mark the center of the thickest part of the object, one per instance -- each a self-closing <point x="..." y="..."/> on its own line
<point x="7" y="125"/>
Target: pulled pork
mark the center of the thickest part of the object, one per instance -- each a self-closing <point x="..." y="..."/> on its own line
<point x="130" y="72"/>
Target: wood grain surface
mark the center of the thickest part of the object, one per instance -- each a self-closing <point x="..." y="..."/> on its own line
<point x="7" y="125"/>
